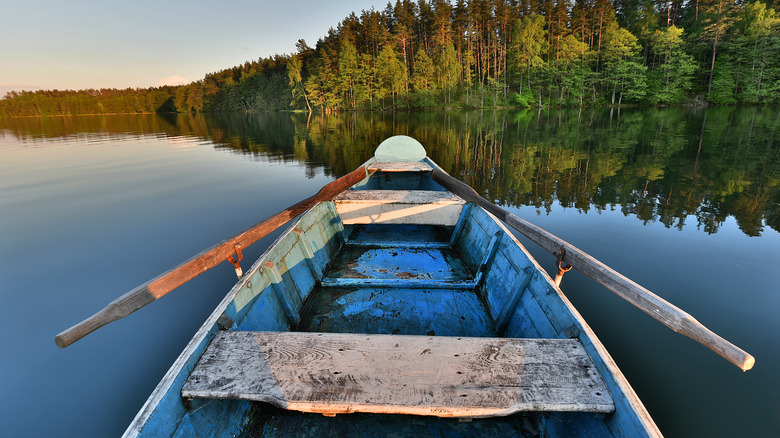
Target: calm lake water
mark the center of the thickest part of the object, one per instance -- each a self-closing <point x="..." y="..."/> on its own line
<point x="684" y="201"/>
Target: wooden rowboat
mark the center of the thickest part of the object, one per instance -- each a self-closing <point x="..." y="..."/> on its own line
<point x="395" y="307"/>
<point x="396" y="299"/>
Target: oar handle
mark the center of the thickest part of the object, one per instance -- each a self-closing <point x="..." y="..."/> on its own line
<point x="117" y="309"/>
<point x="161" y="285"/>
<point x="650" y="303"/>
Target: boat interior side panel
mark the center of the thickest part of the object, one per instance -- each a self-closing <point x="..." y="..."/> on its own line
<point x="577" y="424"/>
<point x="274" y="422"/>
<point x="508" y="278"/>
<point x="214" y="418"/>
<point x="261" y="301"/>
<point x="529" y="320"/>
<point x="543" y="311"/>
<point x="169" y="409"/>
<point x="472" y="241"/>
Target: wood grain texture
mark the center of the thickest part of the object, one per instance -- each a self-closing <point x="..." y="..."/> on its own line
<point x="332" y="373"/>
<point x="161" y="285"/>
<point x="399" y="207"/>
<point x="650" y="303"/>
<point x="400" y="166"/>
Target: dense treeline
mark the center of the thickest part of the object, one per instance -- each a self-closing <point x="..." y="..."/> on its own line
<point x="103" y="101"/>
<point x="260" y="86"/>
<point x="487" y="53"/>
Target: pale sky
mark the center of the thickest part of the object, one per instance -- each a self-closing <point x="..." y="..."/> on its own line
<point x="77" y="44"/>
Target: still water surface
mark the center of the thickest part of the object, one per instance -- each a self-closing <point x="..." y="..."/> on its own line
<point x="684" y="201"/>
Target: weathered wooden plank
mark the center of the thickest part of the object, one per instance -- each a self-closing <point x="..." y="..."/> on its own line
<point x="533" y="314"/>
<point x="407" y="283"/>
<point x="333" y="373"/>
<point x="403" y="196"/>
<point x="401" y="166"/>
<point x="398" y="263"/>
<point x="334" y="224"/>
<point x="290" y="307"/>
<point x="399" y="207"/>
<point x="473" y="244"/>
<point x="487" y="261"/>
<point x="508" y="309"/>
<point x="401" y="235"/>
<point x="464" y="217"/>
<point x="308" y="255"/>
<point x="401" y="244"/>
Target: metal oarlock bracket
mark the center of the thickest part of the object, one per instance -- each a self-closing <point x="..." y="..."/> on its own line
<point x="234" y="262"/>
<point x="561" y="269"/>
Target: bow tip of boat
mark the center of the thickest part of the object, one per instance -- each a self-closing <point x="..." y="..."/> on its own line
<point x="400" y="148"/>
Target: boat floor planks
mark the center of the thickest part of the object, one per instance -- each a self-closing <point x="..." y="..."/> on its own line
<point x="338" y="373"/>
<point x="437" y="264"/>
<point x="440" y="312"/>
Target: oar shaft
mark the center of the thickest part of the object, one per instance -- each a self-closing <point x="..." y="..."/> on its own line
<point x="161" y="285"/>
<point x="650" y="303"/>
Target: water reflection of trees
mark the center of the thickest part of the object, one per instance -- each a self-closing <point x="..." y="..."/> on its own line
<point x="669" y="165"/>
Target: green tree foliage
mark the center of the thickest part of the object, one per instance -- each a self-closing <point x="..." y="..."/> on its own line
<point x="448" y="70"/>
<point x="103" y="101"/>
<point x="624" y="76"/>
<point x="760" y="81"/>
<point x="424" y="76"/>
<point x="529" y="43"/>
<point x="391" y="74"/>
<point x="294" y="74"/>
<point x="349" y="74"/>
<point x="672" y="77"/>
<point x="484" y="53"/>
<point x="718" y="19"/>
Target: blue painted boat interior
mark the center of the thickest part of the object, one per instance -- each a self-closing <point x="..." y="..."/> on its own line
<point x="468" y="279"/>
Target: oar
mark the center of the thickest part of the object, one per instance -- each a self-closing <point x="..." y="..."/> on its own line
<point x="650" y="303"/>
<point x="161" y="285"/>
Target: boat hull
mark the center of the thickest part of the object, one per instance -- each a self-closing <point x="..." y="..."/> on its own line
<point x="397" y="255"/>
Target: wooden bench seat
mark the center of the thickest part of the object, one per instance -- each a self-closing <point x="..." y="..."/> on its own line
<point x="400" y="166"/>
<point x="422" y="207"/>
<point x="336" y="373"/>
